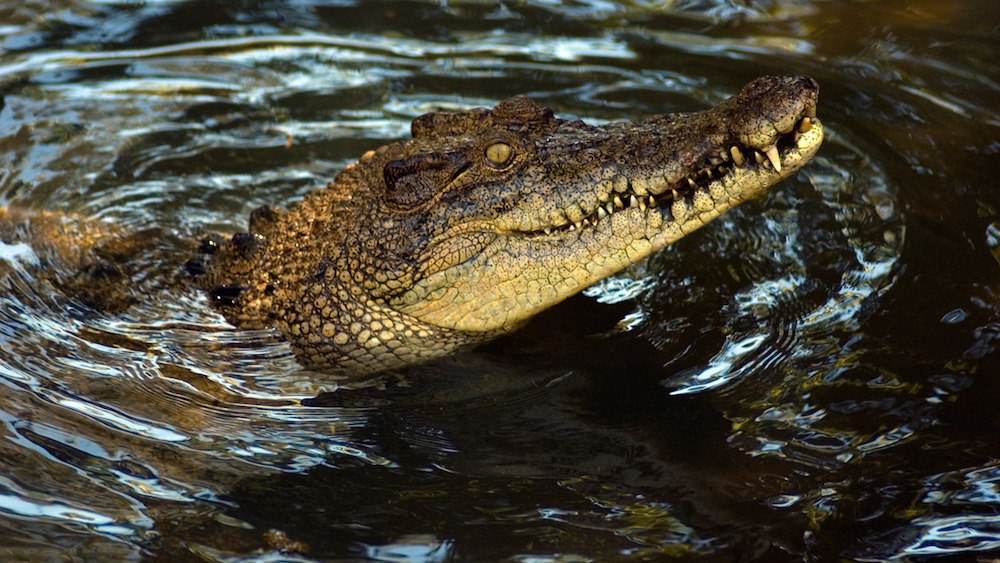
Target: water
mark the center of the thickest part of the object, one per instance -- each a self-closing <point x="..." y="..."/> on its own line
<point x="811" y="378"/>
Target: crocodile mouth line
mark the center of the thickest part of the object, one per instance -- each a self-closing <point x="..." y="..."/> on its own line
<point x="675" y="202"/>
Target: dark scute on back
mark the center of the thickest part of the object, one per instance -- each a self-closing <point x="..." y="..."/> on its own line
<point x="264" y="219"/>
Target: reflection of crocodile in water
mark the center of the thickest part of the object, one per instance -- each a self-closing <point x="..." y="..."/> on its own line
<point x="483" y="219"/>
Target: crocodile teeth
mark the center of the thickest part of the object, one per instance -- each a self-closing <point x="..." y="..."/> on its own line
<point x="572" y="227"/>
<point x="758" y="157"/>
<point x="584" y="222"/>
<point x="772" y="155"/>
<point x="610" y="207"/>
<point x="633" y="202"/>
<point x="601" y="213"/>
<point x="547" y="231"/>
<point x="737" y="156"/>
<point x="652" y="201"/>
<point x="579" y="224"/>
<point x="692" y="184"/>
<point x="618" y="202"/>
<point x="806" y="125"/>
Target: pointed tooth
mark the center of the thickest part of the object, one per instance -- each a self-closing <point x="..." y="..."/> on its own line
<point x="632" y="202"/>
<point x="652" y="202"/>
<point x="547" y="231"/>
<point x="601" y="213"/>
<point x="585" y="221"/>
<point x="674" y="194"/>
<point x="618" y="202"/>
<point x="572" y="227"/>
<point x="758" y="157"/>
<point x="805" y="125"/>
<point x="692" y="184"/>
<point x="642" y="205"/>
<point x="737" y="156"/>
<point x="610" y="207"/>
<point x="772" y="155"/>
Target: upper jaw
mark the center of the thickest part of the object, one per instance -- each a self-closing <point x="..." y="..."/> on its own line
<point x="739" y="170"/>
<point x="729" y="154"/>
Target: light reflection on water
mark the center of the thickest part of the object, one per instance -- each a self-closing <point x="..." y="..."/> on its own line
<point x="123" y="427"/>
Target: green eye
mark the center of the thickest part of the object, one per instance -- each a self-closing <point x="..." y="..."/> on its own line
<point x="499" y="153"/>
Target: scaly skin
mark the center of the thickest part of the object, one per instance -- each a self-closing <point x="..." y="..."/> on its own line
<point x="487" y="217"/>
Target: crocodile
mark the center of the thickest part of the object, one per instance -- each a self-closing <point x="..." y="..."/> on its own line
<point x="456" y="236"/>
<point x="486" y="217"/>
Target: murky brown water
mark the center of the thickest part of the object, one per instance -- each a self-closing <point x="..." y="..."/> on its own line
<point x="812" y="378"/>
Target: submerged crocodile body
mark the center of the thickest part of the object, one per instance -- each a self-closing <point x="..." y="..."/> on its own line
<point x="487" y="217"/>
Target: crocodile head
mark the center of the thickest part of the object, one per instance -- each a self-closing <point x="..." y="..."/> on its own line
<point x="487" y="217"/>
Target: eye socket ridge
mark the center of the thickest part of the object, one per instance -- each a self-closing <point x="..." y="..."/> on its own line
<point x="413" y="181"/>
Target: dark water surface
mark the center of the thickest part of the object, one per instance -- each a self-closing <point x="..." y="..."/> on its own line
<point x="814" y="377"/>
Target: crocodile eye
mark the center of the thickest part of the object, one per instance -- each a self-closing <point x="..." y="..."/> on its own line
<point x="499" y="154"/>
